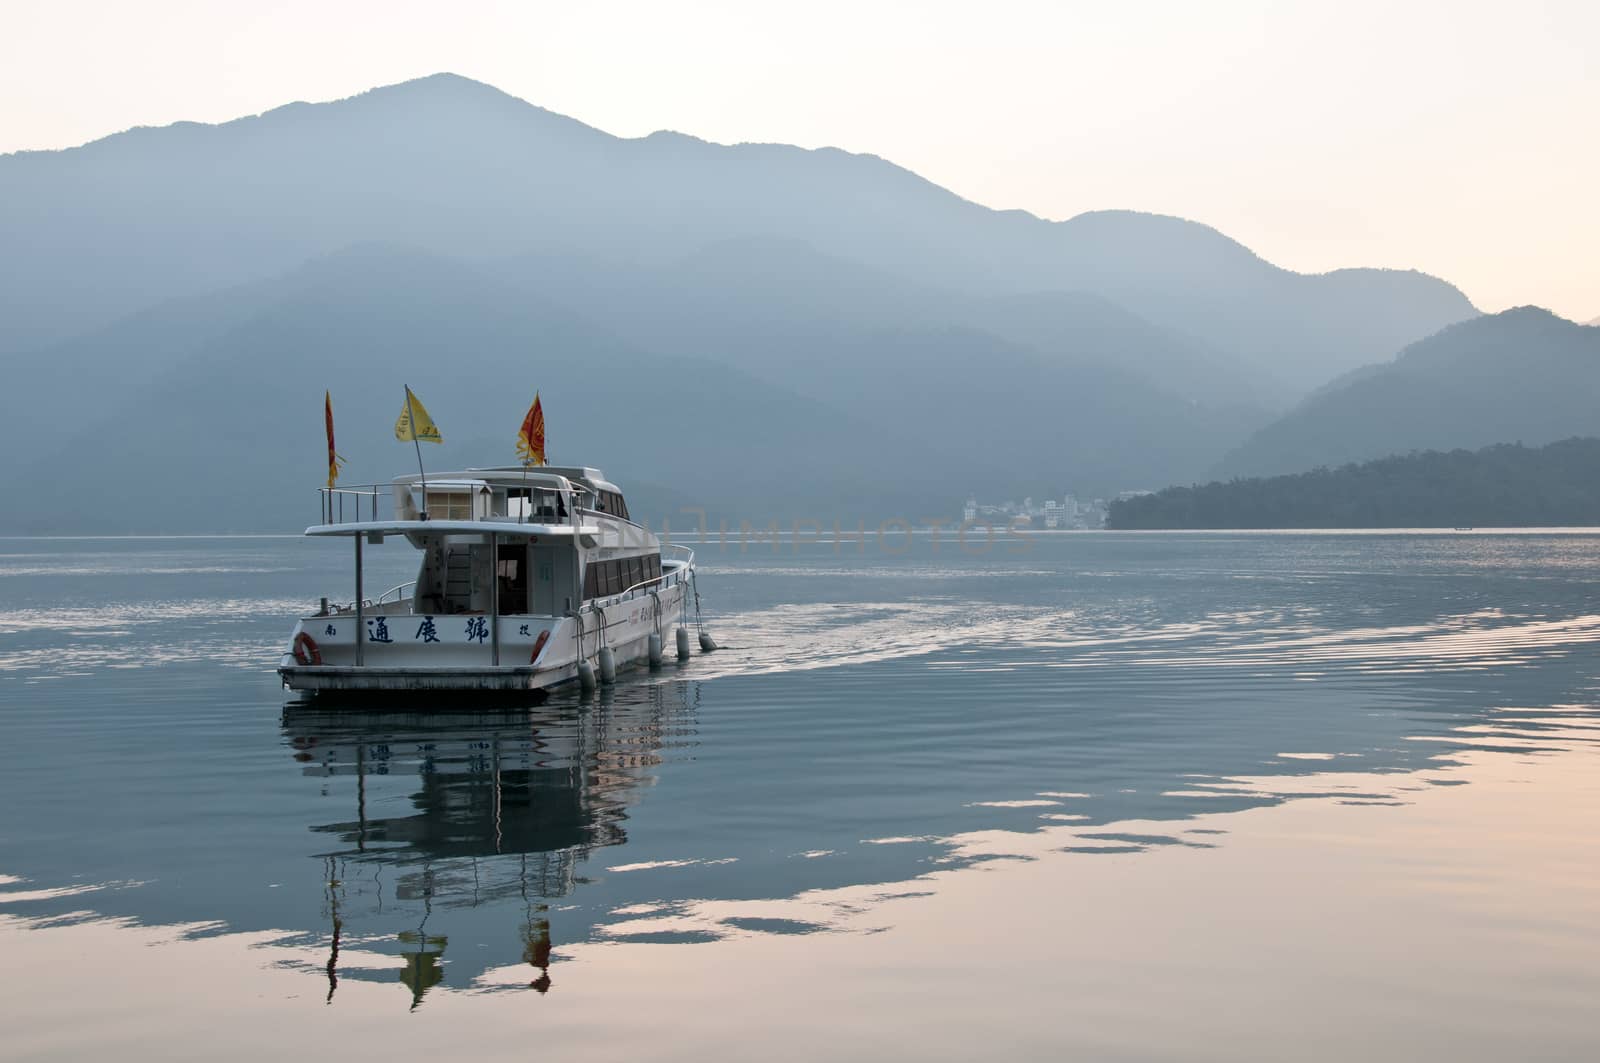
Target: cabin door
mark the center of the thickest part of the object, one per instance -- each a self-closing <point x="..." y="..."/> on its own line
<point x="544" y="581"/>
<point x="511" y="578"/>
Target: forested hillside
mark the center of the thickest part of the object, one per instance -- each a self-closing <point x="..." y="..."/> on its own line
<point x="1507" y="485"/>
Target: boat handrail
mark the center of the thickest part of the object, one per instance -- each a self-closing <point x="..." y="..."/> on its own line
<point x="642" y="583"/>
<point x="332" y="505"/>
<point x="332" y="501"/>
<point x="686" y="554"/>
<point x="396" y="590"/>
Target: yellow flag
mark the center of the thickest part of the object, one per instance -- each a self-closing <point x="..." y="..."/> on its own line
<point x="414" y="414"/>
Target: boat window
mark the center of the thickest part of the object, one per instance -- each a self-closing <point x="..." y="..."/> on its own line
<point x="610" y="502"/>
<point x="604" y="578"/>
<point x="449" y="505"/>
<point x="599" y="579"/>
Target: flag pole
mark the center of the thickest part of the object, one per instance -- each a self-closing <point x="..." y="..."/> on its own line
<point x="412" y="415"/>
<point x="527" y="516"/>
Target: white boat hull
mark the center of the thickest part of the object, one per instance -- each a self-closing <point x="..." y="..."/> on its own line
<point x="402" y="651"/>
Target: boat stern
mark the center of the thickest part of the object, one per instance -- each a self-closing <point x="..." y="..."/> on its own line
<point x="398" y="652"/>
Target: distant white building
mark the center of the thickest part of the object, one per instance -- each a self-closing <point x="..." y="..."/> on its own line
<point x="1067" y="512"/>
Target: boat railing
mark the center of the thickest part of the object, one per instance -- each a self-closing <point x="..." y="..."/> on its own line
<point x="398" y="591"/>
<point x="358" y="503"/>
<point x="684" y="554"/>
<point x="632" y="591"/>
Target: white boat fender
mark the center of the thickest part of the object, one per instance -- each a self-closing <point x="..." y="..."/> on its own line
<point x="586" y="675"/>
<point x="653" y="649"/>
<point x="683" y="644"/>
<point x="608" y="665"/>
<point x="707" y="643"/>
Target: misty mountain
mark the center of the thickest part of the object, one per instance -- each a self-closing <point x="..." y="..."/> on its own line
<point x="221" y="432"/>
<point x="454" y="167"/>
<point x="784" y="311"/>
<point x="205" y="412"/>
<point x="1524" y="375"/>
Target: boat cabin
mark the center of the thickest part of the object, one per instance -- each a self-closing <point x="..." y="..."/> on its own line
<point x="503" y="541"/>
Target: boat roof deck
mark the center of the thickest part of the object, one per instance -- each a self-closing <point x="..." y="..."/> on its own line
<point x="504" y="526"/>
<point x="559" y="476"/>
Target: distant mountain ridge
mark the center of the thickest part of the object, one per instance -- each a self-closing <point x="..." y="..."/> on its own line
<point x="776" y="333"/>
<point x="1522" y="375"/>
<point x="459" y="168"/>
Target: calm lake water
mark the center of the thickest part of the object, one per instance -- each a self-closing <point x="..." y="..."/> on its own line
<point x="1187" y="796"/>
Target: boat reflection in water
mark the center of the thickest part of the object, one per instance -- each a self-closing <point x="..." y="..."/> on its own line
<point x="455" y="816"/>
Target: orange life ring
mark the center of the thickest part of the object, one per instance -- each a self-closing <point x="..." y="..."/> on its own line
<point x="538" y="644"/>
<point x="305" y="649"/>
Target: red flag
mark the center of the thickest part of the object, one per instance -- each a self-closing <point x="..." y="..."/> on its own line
<point x="334" y="461"/>
<point x="530" y="440"/>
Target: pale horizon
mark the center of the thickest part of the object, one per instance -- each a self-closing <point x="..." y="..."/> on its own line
<point x="1449" y="139"/>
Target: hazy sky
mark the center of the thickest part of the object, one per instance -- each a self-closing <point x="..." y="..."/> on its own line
<point x="1461" y="138"/>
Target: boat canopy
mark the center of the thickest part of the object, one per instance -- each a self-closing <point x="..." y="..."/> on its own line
<point x="511" y="500"/>
<point x="508" y="474"/>
<point x="538" y="476"/>
<point x="508" y="529"/>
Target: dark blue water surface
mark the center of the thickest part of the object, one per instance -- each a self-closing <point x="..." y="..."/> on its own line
<point x="873" y="706"/>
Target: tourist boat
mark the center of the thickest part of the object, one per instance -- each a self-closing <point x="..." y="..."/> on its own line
<point x="528" y="578"/>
